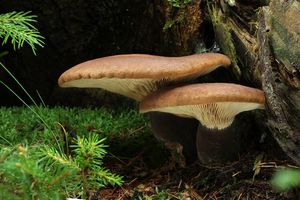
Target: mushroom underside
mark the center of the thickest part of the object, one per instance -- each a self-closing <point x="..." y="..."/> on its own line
<point x="136" y="89"/>
<point x="217" y="115"/>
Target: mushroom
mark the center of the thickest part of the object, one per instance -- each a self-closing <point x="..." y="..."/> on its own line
<point x="138" y="75"/>
<point x="215" y="105"/>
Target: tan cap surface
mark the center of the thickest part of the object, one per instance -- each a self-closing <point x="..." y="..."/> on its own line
<point x="145" y="66"/>
<point x="213" y="104"/>
<point x="137" y="75"/>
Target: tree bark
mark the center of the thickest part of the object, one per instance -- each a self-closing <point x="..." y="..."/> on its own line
<point x="263" y="41"/>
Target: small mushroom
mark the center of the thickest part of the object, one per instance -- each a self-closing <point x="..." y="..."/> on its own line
<point x="215" y="105"/>
<point x="138" y="75"/>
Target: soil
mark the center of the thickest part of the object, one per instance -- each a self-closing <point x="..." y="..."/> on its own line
<point x="247" y="178"/>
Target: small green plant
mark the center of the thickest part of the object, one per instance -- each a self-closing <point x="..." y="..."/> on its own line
<point x="158" y="195"/>
<point x="43" y="172"/>
<point x="86" y="160"/>
<point x="286" y="179"/>
<point x="17" y="27"/>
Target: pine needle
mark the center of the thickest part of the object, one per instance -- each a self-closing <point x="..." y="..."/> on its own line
<point x="17" y="27"/>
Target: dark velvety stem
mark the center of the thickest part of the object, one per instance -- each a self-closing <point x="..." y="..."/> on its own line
<point x="174" y="129"/>
<point x="219" y="146"/>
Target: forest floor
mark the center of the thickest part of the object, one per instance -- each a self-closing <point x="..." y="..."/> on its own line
<point x="144" y="162"/>
<point x="247" y="178"/>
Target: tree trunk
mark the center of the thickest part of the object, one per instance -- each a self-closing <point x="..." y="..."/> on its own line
<point x="263" y="41"/>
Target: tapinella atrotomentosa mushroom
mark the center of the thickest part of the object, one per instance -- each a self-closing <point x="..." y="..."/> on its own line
<point x="138" y="75"/>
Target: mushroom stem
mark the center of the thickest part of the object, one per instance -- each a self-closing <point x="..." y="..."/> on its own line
<point x="173" y="129"/>
<point x="215" y="146"/>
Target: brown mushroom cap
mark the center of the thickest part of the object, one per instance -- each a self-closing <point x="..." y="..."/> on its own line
<point x="137" y="75"/>
<point x="214" y="104"/>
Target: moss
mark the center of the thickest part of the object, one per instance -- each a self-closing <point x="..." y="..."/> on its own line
<point x="179" y="3"/>
<point x="224" y="37"/>
<point x="284" y="44"/>
<point x="178" y="6"/>
<point x="181" y="28"/>
<point x="127" y="132"/>
<point x="18" y="123"/>
<point x="171" y="22"/>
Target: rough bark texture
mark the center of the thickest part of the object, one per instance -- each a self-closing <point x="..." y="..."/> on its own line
<point x="282" y="97"/>
<point x="263" y="41"/>
<point x="79" y="30"/>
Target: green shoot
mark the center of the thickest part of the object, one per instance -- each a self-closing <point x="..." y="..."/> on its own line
<point x="87" y="159"/>
<point x="17" y="27"/>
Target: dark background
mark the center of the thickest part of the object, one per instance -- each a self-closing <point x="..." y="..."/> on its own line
<point x="79" y="30"/>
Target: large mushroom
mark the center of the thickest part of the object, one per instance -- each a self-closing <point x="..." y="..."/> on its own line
<point x="215" y="105"/>
<point x="138" y="75"/>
